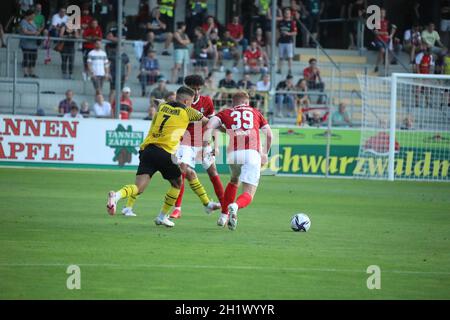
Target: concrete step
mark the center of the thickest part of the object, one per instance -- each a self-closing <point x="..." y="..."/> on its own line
<point x="336" y="58"/>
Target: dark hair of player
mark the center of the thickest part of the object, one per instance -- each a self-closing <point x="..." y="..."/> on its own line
<point x="185" y="91"/>
<point x="194" y="80"/>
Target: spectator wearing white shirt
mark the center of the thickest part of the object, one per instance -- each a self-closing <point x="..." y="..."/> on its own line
<point x="412" y="40"/>
<point x="58" y="20"/>
<point x="98" y="66"/>
<point x="102" y="108"/>
<point x="74" y="113"/>
<point x="264" y="84"/>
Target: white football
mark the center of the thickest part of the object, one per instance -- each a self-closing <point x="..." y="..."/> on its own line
<point x="300" y="222"/>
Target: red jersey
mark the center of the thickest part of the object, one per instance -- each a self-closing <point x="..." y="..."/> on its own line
<point x="86" y="21"/>
<point x="91" y="32"/>
<point x="383" y="32"/>
<point x="242" y="124"/>
<point x="236" y="30"/>
<point x="252" y="57"/>
<point x="126" y="108"/>
<point x="425" y="64"/>
<point x="205" y="105"/>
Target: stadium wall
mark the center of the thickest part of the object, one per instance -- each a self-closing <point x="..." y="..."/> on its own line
<point x="114" y="144"/>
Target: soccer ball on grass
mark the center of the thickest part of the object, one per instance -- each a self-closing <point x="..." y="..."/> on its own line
<point x="300" y="222"/>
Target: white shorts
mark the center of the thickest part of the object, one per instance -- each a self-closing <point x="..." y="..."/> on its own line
<point x="245" y="164"/>
<point x="445" y="25"/>
<point x="193" y="155"/>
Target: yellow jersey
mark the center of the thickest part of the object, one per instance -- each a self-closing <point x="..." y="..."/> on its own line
<point x="169" y="125"/>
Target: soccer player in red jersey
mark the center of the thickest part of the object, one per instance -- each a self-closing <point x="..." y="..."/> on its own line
<point x="245" y="154"/>
<point x="190" y="148"/>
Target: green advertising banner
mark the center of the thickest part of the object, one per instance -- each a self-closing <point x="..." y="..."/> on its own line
<point x="303" y="152"/>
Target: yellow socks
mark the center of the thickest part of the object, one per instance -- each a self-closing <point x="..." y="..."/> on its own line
<point x="130" y="190"/>
<point x="199" y="190"/>
<point x="131" y="200"/>
<point x="170" y="199"/>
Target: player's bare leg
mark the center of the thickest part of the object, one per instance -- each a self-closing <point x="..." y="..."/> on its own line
<point x="230" y="195"/>
<point x="131" y="190"/>
<point x="169" y="201"/>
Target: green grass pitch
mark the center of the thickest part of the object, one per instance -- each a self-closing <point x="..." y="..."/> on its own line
<point x="51" y="219"/>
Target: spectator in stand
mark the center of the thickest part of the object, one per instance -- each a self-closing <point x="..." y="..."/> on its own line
<point x="68" y="50"/>
<point x="246" y="83"/>
<point x="210" y="25"/>
<point x="412" y="41"/>
<point x="29" y="46"/>
<point x="39" y="19"/>
<point x="58" y="21"/>
<point x="253" y="59"/>
<point x="160" y="91"/>
<point x="445" y="22"/>
<point x="203" y="51"/>
<point x="74" y="113"/>
<point x="167" y="10"/>
<point x="424" y="60"/>
<point x="143" y="17"/>
<point x="341" y="117"/>
<point x="227" y="50"/>
<point x="314" y="9"/>
<point x="112" y="36"/>
<point x="171" y="96"/>
<point x="196" y="15"/>
<point x="315" y="118"/>
<point x="264" y="84"/>
<point x="312" y="76"/>
<point x="84" y="111"/>
<point x="103" y="13"/>
<point x="151" y="113"/>
<point x="285" y="101"/>
<point x="91" y="35"/>
<point x="432" y="39"/>
<point x="288" y="30"/>
<point x="147" y="46"/>
<point x="102" y="108"/>
<point x="149" y="71"/>
<point x="158" y="31"/>
<point x="302" y="96"/>
<point x="228" y="82"/>
<point x="66" y="104"/>
<point x="214" y="39"/>
<point x="261" y="41"/>
<point x="355" y="12"/>
<point x="98" y="65"/>
<point x="126" y="105"/>
<point x="236" y="31"/>
<point x="181" y="52"/>
<point x="382" y="38"/>
<point x="125" y="72"/>
<point x="267" y="25"/>
<point x="86" y="19"/>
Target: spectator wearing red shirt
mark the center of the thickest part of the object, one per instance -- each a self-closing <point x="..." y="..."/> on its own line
<point x="91" y="33"/>
<point x="126" y="105"/>
<point x="237" y="32"/>
<point x="383" y="38"/>
<point x="424" y="60"/>
<point x="312" y="76"/>
<point x="210" y="25"/>
<point x="253" y="59"/>
<point x="85" y="19"/>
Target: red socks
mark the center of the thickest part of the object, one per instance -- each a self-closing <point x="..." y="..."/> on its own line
<point x="218" y="187"/>
<point x="244" y="200"/>
<point x="180" y="197"/>
<point x="230" y="195"/>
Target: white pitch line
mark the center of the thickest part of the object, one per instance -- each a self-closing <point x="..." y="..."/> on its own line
<point x="176" y="266"/>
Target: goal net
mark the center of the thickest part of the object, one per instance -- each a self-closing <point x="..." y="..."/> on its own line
<point x="405" y="128"/>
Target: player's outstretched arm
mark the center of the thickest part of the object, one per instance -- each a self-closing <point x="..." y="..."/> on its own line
<point x="212" y="124"/>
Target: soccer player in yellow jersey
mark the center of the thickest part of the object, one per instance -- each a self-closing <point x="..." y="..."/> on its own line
<point x="157" y="153"/>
